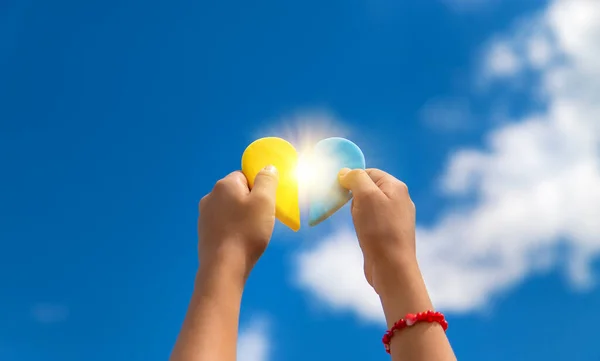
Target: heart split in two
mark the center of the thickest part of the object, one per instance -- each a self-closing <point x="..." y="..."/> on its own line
<point x="314" y="173"/>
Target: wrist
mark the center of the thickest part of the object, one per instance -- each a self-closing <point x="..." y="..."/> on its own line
<point x="394" y="271"/>
<point x="228" y="258"/>
<point x="217" y="284"/>
<point x="401" y="288"/>
<point x="217" y="270"/>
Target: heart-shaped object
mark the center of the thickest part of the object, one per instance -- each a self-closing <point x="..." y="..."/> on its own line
<point x="281" y="154"/>
<point x="325" y="194"/>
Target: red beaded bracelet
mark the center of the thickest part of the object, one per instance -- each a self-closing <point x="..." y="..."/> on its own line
<point x="411" y="319"/>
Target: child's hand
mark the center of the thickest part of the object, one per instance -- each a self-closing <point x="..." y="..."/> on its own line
<point x="236" y="224"/>
<point x="384" y="219"/>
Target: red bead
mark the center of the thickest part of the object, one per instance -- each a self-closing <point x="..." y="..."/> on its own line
<point x="428" y="316"/>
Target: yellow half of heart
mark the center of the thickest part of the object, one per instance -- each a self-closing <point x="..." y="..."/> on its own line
<point x="281" y="154"/>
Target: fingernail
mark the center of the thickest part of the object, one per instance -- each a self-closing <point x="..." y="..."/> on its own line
<point x="270" y="169"/>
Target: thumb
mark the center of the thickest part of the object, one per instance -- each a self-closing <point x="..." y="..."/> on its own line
<point x="265" y="184"/>
<point x="357" y="181"/>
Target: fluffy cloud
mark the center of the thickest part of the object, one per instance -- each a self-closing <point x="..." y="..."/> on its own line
<point x="334" y="274"/>
<point x="253" y="342"/>
<point x="535" y="186"/>
<point x="502" y="60"/>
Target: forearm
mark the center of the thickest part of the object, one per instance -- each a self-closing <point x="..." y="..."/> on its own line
<point x="209" y="331"/>
<point x="403" y="291"/>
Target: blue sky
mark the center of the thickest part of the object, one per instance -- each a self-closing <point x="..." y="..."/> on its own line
<point x="116" y="117"/>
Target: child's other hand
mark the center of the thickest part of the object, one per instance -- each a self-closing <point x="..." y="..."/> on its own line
<point x="235" y="224"/>
<point x="384" y="219"/>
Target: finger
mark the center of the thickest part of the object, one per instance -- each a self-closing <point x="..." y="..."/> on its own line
<point x="202" y="202"/>
<point x="234" y="181"/>
<point x="377" y="175"/>
<point x="265" y="184"/>
<point x="357" y="181"/>
<point x="389" y="185"/>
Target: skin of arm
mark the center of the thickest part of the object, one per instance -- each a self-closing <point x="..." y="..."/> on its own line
<point x="210" y="328"/>
<point x="384" y="220"/>
<point x="403" y="291"/>
<point x="234" y="228"/>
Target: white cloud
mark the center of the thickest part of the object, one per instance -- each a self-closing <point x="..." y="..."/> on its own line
<point x="539" y="51"/>
<point x="49" y="313"/>
<point x="253" y="342"/>
<point x="333" y="272"/>
<point x="502" y="59"/>
<point x="535" y="185"/>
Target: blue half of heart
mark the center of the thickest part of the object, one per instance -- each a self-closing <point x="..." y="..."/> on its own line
<point x="326" y="196"/>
